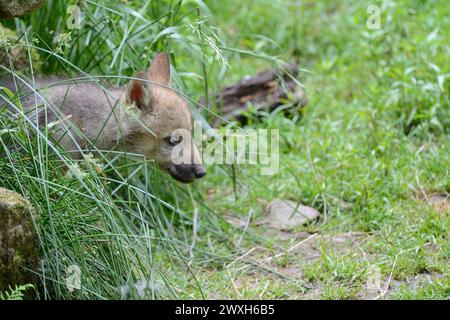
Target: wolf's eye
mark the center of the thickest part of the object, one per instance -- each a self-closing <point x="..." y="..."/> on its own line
<point x="173" y="141"/>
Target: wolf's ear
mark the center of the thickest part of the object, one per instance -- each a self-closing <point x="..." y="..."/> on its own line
<point x="159" y="71"/>
<point x="139" y="92"/>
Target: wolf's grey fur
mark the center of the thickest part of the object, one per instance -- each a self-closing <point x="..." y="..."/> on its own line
<point x="78" y="107"/>
<point x="140" y="117"/>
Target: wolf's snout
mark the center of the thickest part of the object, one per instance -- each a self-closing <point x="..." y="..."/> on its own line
<point x="200" y="171"/>
<point x="187" y="172"/>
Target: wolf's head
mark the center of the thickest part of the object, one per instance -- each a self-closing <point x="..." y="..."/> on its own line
<point x="161" y="127"/>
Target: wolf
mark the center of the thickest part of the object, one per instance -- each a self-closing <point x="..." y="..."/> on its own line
<point x="145" y="117"/>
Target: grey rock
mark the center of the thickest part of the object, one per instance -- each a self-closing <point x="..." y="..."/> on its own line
<point x="441" y="202"/>
<point x="18" y="8"/>
<point x="286" y="214"/>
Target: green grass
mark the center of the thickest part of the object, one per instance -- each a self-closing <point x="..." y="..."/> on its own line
<point x="370" y="146"/>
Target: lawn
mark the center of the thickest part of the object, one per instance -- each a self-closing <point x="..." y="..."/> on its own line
<point x="369" y="151"/>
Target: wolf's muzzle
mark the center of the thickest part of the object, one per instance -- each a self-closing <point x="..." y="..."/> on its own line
<point x="187" y="172"/>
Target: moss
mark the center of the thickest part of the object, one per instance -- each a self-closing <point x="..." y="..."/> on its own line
<point x="7" y="33"/>
<point x="12" y="49"/>
<point x="18" y="245"/>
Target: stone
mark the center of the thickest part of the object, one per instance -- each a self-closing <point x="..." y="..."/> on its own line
<point x="235" y="221"/>
<point x="441" y="202"/>
<point x="18" y="8"/>
<point x="286" y="214"/>
<point x="18" y="240"/>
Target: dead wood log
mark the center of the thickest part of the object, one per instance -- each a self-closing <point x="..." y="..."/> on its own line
<point x="266" y="91"/>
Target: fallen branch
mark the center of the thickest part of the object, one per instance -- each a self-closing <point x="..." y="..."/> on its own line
<point x="266" y="91"/>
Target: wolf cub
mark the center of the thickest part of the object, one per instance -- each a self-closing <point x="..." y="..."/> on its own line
<point x="145" y="117"/>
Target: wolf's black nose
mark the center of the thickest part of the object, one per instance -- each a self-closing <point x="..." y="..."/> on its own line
<point x="199" y="171"/>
